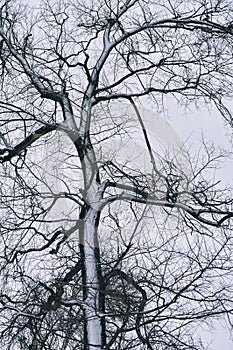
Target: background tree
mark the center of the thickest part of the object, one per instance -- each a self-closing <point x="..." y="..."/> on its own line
<point x="166" y="265"/>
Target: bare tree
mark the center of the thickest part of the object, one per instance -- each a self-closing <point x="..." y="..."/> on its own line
<point x="98" y="252"/>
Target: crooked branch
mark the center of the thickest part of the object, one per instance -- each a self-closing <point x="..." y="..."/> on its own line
<point x="144" y="197"/>
<point x="28" y="141"/>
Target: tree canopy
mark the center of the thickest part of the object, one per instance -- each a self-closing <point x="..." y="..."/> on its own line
<point x="105" y="245"/>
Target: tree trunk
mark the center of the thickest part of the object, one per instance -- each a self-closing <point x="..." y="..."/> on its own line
<point x="93" y="286"/>
<point x="94" y="329"/>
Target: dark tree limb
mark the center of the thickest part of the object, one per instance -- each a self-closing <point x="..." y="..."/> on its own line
<point x="27" y="142"/>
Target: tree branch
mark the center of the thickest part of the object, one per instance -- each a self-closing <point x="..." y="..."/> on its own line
<point x="144" y="198"/>
<point x="28" y="141"/>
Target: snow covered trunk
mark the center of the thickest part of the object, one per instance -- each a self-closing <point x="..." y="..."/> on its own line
<point x="94" y="332"/>
<point x="93" y="287"/>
